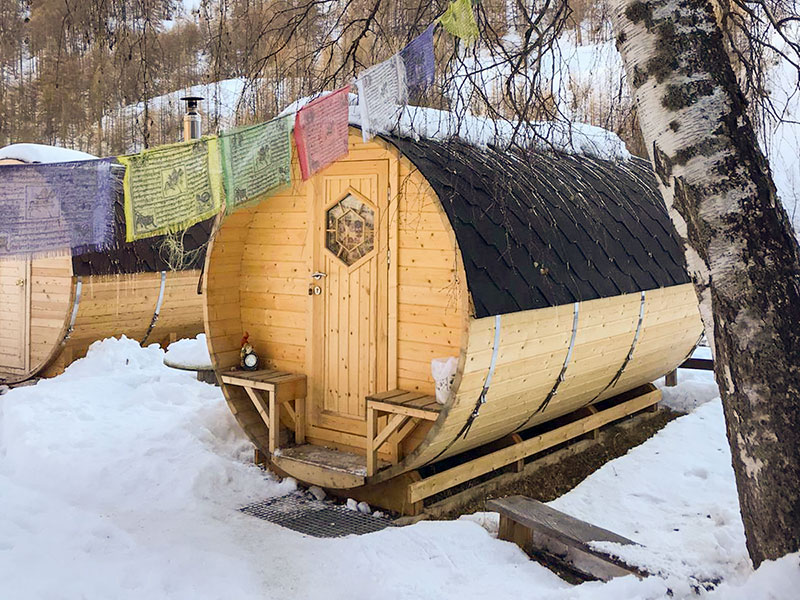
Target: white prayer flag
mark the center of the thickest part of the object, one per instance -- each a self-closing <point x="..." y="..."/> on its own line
<point x="382" y="92"/>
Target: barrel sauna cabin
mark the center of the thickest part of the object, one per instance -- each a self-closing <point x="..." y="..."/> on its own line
<point x="556" y="280"/>
<point x="52" y="309"/>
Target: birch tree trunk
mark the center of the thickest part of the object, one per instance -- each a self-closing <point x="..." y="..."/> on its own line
<point x="740" y="248"/>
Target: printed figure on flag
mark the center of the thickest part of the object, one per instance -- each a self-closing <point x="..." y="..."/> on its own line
<point x="256" y="161"/>
<point x="56" y="208"/>
<point x="171" y="188"/>
<point x="321" y="131"/>
<point x="382" y="92"/>
<point x="419" y="61"/>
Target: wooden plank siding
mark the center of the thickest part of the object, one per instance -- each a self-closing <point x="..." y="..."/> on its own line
<point x="258" y="280"/>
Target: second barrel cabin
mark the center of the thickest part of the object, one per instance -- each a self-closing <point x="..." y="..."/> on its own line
<point x="53" y="308"/>
<point x="553" y="282"/>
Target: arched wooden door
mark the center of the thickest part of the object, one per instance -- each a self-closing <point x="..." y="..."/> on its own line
<point x="14" y="315"/>
<point x="351" y="265"/>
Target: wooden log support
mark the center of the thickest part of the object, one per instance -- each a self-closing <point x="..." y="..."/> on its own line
<point x="630" y="403"/>
<point x="537" y="529"/>
<point x="285" y="395"/>
<point x="703" y="364"/>
<point x="404" y="410"/>
<point x="671" y="378"/>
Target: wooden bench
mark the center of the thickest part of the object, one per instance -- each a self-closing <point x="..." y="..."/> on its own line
<point x="537" y="528"/>
<point x="406" y="410"/>
<point x="283" y="390"/>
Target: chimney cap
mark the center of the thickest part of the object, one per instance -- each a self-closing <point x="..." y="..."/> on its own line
<point x="191" y="101"/>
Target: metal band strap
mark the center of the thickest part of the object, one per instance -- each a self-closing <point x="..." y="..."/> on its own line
<point x="488" y="381"/>
<point x="484" y="391"/>
<point x="628" y="358"/>
<point x="76" y="303"/>
<point x="562" y="374"/>
<point x="159" y="302"/>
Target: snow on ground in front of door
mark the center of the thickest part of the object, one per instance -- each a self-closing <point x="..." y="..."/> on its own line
<point x="121" y="479"/>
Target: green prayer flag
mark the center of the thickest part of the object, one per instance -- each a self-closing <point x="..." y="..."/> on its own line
<point x="171" y="188"/>
<point x="459" y="20"/>
<point x="256" y="160"/>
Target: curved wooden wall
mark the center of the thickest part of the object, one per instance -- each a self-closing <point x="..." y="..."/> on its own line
<point x="116" y="305"/>
<point x="258" y="271"/>
<point x="108" y="306"/>
<point x="532" y="350"/>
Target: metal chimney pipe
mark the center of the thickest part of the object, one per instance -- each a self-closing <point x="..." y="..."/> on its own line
<point x="192" y="122"/>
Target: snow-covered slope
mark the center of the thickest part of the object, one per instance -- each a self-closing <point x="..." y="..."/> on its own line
<point x="121" y="479"/>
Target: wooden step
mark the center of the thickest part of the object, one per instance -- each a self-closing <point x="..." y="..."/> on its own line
<point x="322" y="466"/>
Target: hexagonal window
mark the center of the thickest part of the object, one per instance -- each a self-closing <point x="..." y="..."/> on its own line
<point x="350" y="233"/>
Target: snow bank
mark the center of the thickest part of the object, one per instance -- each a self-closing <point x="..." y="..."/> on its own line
<point x="192" y="354"/>
<point x="40" y="153"/>
<point x="121" y="479"/>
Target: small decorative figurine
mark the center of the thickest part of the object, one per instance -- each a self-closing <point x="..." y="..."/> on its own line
<point x="248" y="359"/>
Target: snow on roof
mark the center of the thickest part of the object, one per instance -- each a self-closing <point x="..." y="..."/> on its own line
<point x="40" y="153"/>
<point x="429" y="123"/>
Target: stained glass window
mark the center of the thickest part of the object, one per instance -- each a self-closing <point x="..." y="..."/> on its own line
<point x="350" y="231"/>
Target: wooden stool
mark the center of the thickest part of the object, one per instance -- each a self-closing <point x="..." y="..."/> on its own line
<point x="408" y="408"/>
<point x="283" y="390"/>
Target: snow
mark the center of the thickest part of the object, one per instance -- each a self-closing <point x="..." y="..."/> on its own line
<point x="121" y="479"/>
<point x="429" y="123"/>
<point x="781" y="139"/>
<point x="189" y="353"/>
<point x="40" y="153"/>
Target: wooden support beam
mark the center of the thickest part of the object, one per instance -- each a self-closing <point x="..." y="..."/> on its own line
<point x="484" y="464"/>
<point x="260" y="405"/>
<point x="300" y="420"/>
<point x="372" y="426"/>
<point x="395" y="422"/>
<point x="273" y="424"/>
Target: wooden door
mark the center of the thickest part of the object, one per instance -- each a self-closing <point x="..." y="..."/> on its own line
<point x="350" y="293"/>
<point x="14" y="283"/>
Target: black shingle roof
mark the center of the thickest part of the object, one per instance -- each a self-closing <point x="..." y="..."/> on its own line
<point x="545" y="229"/>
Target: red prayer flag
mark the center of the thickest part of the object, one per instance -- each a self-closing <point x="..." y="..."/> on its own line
<point x="320" y="132"/>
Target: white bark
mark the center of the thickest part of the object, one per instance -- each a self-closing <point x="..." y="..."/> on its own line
<point x="740" y="248"/>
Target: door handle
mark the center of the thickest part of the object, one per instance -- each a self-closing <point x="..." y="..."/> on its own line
<point x="317" y="276"/>
<point x="20" y="282"/>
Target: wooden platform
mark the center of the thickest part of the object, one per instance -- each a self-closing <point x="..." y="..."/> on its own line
<point x="323" y="466"/>
<point x="538" y="528"/>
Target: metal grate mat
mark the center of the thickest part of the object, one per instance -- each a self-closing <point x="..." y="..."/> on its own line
<point x="314" y="517"/>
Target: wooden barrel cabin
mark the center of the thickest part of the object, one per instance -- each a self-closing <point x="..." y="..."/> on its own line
<point x="52" y="309"/>
<point x="557" y="281"/>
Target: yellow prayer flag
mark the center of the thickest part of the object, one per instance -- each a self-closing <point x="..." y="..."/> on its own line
<point x="459" y="20"/>
<point x="171" y="188"/>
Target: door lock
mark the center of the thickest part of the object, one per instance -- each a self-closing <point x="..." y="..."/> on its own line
<point x="20" y="282"/>
<point x="314" y="290"/>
